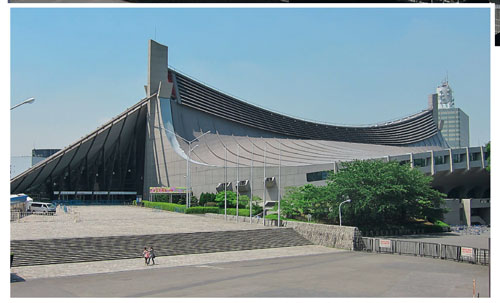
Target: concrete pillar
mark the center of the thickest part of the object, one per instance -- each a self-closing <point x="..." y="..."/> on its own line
<point x="451" y="160"/>
<point x="432" y="162"/>
<point x="467" y="210"/>
<point x="482" y="157"/>
<point x="467" y="157"/>
<point x="158" y="70"/>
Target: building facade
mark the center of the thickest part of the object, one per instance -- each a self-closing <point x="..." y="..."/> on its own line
<point x="187" y="134"/>
<point x="454" y="122"/>
<point x="38" y="155"/>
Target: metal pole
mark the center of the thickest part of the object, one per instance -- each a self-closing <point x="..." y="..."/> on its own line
<point x="340" y="213"/>
<point x="225" y="182"/>
<point x="251" y="184"/>
<point x="187" y="174"/>
<point x="237" y="179"/>
<point x="27" y="101"/>
<point x="279" y="185"/>
<point x="264" y="198"/>
<point x="340" y="210"/>
<point x="188" y="155"/>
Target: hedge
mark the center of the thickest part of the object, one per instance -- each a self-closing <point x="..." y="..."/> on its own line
<point x="197" y="209"/>
<point x="244" y="212"/>
<point x="165" y="206"/>
<point x="202" y="210"/>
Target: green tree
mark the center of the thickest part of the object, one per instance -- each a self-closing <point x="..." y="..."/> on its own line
<point x="230" y="197"/>
<point x="382" y="193"/>
<point x="203" y="198"/>
<point x="243" y="201"/>
<point x="298" y="202"/>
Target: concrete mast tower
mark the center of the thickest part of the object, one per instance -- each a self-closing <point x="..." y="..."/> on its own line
<point x="454" y="121"/>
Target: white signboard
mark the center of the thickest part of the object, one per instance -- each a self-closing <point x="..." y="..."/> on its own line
<point x="382" y="243"/>
<point x="467" y="252"/>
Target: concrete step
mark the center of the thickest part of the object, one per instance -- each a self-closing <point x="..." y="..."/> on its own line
<point x="71" y="250"/>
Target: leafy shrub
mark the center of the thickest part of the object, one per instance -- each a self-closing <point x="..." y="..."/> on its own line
<point x="165" y="206"/>
<point x="194" y="201"/>
<point x="230" y="198"/>
<point x="206" y="198"/>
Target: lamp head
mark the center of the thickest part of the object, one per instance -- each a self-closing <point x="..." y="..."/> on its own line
<point x="30" y="100"/>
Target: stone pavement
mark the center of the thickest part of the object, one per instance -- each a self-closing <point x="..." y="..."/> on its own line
<point x="102" y="221"/>
<point x="84" y="268"/>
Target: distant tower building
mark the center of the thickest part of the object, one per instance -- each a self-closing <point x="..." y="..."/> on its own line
<point x="38" y="155"/>
<point x="455" y="125"/>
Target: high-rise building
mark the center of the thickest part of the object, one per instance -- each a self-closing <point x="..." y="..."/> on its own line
<point x="41" y="154"/>
<point x="455" y="122"/>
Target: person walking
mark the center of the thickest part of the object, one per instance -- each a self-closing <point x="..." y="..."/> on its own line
<point x="152" y="255"/>
<point x="145" y="254"/>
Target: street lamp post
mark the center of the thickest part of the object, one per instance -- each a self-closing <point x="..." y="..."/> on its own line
<point x="340" y="211"/>
<point x="188" y="155"/>
<point x="188" y="193"/>
<point x="27" y="101"/>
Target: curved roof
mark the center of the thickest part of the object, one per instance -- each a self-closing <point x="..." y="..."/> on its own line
<point x="102" y="145"/>
<point x="408" y="131"/>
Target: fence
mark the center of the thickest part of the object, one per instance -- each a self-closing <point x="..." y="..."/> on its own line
<point x="424" y="249"/>
<point x="16" y="215"/>
<point x="470" y="230"/>
<point x="92" y="202"/>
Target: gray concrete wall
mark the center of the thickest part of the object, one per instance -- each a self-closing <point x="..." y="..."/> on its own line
<point x="326" y="235"/>
<point x="320" y="234"/>
<point x="158" y="70"/>
<point x="205" y="178"/>
<point x="454" y="207"/>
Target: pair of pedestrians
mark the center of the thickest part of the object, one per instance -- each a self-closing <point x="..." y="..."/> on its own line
<point x="149" y="255"/>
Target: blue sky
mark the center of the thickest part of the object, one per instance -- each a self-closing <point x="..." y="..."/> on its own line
<point x="342" y="66"/>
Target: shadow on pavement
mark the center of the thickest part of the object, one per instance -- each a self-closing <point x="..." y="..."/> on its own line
<point x="15" y="278"/>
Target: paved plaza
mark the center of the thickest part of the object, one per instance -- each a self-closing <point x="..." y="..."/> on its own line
<point x="320" y="271"/>
<point x="102" y="221"/>
<point x="342" y="274"/>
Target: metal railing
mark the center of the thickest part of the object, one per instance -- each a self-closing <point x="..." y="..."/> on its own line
<point x="17" y="215"/>
<point x="92" y="202"/>
<point x="470" y="230"/>
<point x="424" y="249"/>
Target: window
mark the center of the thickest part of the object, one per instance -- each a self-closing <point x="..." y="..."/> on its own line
<point x="475" y="156"/>
<point x="458" y="158"/>
<point x="404" y="162"/>
<point x="420" y="162"/>
<point x="438" y="160"/>
<point x="318" y="176"/>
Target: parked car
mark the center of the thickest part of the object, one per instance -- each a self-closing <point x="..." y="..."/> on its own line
<point x="42" y="207"/>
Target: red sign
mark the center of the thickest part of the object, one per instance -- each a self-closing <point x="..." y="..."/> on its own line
<point x="384" y="243"/>
<point x="467" y="252"/>
<point x="167" y="190"/>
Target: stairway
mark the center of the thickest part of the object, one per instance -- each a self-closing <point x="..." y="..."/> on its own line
<point x="71" y="250"/>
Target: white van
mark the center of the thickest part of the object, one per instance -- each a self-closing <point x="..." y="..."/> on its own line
<point x="42" y="207"/>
